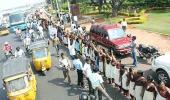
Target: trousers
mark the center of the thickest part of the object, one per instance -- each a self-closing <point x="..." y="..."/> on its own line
<point x="66" y="74"/>
<point x="80" y="78"/>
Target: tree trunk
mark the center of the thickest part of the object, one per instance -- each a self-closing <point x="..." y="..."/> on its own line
<point x="114" y="12"/>
<point x="116" y="5"/>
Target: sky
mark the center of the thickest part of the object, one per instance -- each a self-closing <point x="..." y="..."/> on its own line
<point x="8" y="4"/>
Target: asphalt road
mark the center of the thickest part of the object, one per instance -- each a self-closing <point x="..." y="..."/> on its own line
<point x="52" y="87"/>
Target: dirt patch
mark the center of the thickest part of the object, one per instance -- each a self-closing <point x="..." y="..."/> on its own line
<point x="151" y="38"/>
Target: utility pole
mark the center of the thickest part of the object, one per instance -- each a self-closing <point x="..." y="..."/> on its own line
<point x="68" y="3"/>
<point x="58" y="8"/>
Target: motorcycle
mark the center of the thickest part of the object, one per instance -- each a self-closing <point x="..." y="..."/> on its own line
<point x="148" y="52"/>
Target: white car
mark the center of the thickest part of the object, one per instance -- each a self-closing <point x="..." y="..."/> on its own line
<point x="161" y="65"/>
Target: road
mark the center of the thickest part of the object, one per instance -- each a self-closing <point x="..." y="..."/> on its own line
<point x="52" y="87"/>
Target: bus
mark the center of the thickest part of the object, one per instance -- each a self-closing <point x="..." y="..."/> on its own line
<point x="17" y="20"/>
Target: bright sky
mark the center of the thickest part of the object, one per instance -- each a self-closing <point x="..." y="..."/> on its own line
<point x="8" y="4"/>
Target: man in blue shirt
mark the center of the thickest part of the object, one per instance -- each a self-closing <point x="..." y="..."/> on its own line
<point x="79" y="66"/>
<point x="134" y="51"/>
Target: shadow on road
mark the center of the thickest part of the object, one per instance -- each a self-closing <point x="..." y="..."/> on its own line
<point x="71" y="89"/>
<point x="59" y="82"/>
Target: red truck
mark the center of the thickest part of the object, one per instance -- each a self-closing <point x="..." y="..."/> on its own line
<point x="111" y="36"/>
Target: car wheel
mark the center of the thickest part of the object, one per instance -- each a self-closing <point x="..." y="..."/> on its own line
<point x="163" y="76"/>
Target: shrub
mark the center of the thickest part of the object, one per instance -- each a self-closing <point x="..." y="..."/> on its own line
<point x="136" y="20"/>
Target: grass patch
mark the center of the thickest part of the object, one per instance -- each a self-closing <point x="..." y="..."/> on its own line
<point x="157" y="21"/>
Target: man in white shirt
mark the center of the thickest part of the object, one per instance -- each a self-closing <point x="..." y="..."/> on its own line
<point x="80" y="30"/>
<point x="73" y="25"/>
<point x="79" y="67"/>
<point x="71" y="47"/>
<point x="87" y="71"/>
<point x="65" y="65"/>
<point x="97" y="84"/>
<point x="40" y="28"/>
<point x="19" y="52"/>
<point x="124" y="24"/>
<point x="27" y="42"/>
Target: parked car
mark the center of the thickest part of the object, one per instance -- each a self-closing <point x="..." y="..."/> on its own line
<point x="112" y="37"/>
<point x="161" y="65"/>
<point x="3" y="30"/>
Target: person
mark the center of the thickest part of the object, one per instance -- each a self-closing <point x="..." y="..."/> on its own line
<point x="75" y="19"/>
<point x="80" y="30"/>
<point x="122" y="71"/>
<point x="65" y="39"/>
<point x="87" y="70"/>
<point x="134" y="50"/>
<point x="56" y="43"/>
<point x="150" y="89"/>
<point x="131" y="81"/>
<point x="139" y="85"/>
<point x="117" y="75"/>
<point x="93" y="21"/>
<point x="77" y="45"/>
<point x="71" y="47"/>
<point x="19" y="52"/>
<point x="53" y="30"/>
<point x="40" y="29"/>
<point x="30" y="30"/>
<point x="68" y="17"/>
<point x="66" y="66"/>
<point x="27" y="42"/>
<point x="61" y="19"/>
<point x="124" y="24"/>
<point x="108" y="70"/>
<point x="79" y="67"/>
<point x="97" y="84"/>
<point x="7" y="49"/>
<point x="125" y="85"/>
<point x="73" y="26"/>
<point x="163" y="92"/>
<point x="18" y="32"/>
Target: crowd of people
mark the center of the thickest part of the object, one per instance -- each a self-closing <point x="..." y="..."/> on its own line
<point x="93" y="63"/>
<point x="102" y="66"/>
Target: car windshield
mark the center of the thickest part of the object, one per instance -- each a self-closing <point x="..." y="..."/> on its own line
<point x="40" y="53"/>
<point x="17" y="84"/>
<point x="116" y="33"/>
<point x="16" y="18"/>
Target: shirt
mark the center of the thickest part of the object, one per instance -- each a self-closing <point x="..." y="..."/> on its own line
<point x="77" y="46"/>
<point x="78" y="64"/>
<point x="80" y="30"/>
<point x="64" y="63"/>
<point x="71" y="47"/>
<point x="96" y="80"/>
<point x="133" y="46"/>
<point x="27" y="41"/>
<point x="56" y="41"/>
<point x="124" y="23"/>
<point x="87" y="70"/>
<point x="7" y="48"/>
<point x="40" y="28"/>
<point x="19" y="53"/>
